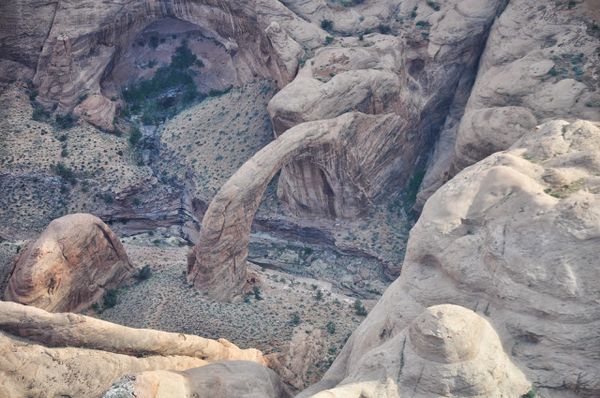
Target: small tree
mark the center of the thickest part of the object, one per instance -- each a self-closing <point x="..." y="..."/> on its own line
<point x="256" y="291"/>
<point x="330" y="327"/>
<point x="110" y="298"/>
<point x="326" y="24"/>
<point x="144" y="273"/>
<point x="359" y="308"/>
<point x="319" y="295"/>
<point x="295" y="319"/>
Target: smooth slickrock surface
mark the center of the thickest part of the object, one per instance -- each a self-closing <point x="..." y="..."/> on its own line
<point x="515" y="238"/>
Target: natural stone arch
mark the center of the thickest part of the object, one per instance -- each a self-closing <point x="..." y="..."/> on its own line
<point x="362" y="147"/>
<point x="76" y="57"/>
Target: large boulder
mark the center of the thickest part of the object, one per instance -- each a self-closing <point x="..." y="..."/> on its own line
<point x="70" y="266"/>
<point x="514" y="238"/>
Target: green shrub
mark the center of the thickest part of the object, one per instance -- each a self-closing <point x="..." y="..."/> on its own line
<point x="256" y="291"/>
<point x="65" y="173"/>
<point x="328" y="40"/>
<point x="330" y="327"/>
<point x="359" y="308"/>
<point x="107" y="198"/>
<point x="65" y="121"/>
<point x="39" y="114"/>
<point x="110" y="298"/>
<point x="326" y="24"/>
<point x="135" y="136"/>
<point x="184" y="58"/>
<point x="319" y="295"/>
<point x="295" y="319"/>
<point x="532" y="393"/>
<point x="384" y="29"/>
<point x="423" y="25"/>
<point x="144" y="273"/>
<point x="153" y="42"/>
<point x="433" y="4"/>
<point x="170" y="90"/>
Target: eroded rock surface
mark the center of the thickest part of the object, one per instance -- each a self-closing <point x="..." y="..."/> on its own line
<point x="70" y="266"/>
<point x="76" y="355"/>
<point x="81" y="42"/>
<point x="414" y="75"/>
<point x="515" y="238"/>
<point x="447" y="351"/>
<point x="540" y="63"/>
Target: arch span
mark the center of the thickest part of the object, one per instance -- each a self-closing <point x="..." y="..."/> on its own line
<point x="360" y="145"/>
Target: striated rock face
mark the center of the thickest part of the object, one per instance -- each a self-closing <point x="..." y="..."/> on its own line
<point x="88" y="354"/>
<point x="540" y="62"/>
<point x="515" y="238"/>
<point x="81" y="42"/>
<point x="414" y="75"/>
<point x="361" y="144"/>
<point x="230" y="379"/>
<point x="447" y="351"/>
<point x="69" y="266"/>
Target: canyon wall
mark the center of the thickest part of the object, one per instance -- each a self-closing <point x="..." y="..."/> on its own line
<point x="540" y="63"/>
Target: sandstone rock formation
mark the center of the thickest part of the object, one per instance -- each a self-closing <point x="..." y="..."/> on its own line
<point x="80" y="43"/>
<point x="539" y="63"/>
<point x="32" y="370"/>
<point x="306" y="348"/>
<point x="88" y="354"/>
<point x="230" y="379"/>
<point x="69" y="266"/>
<point x="362" y="144"/>
<point x="515" y="238"/>
<point x="414" y="75"/>
<point x="447" y="351"/>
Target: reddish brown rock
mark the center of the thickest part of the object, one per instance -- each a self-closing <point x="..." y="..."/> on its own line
<point x="69" y="266"/>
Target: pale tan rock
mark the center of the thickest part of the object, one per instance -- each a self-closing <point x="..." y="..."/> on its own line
<point x="70" y="266"/>
<point x="540" y="59"/>
<point x="31" y="370"/>
<point x="45" y="354"/>
<point x="229" y="379"/>
<point x="288" y="50"/>
<point x="447" y="351"/>
<point x="305" y="349"/>
<point x="515" y="238"/>
<point x="98" y="110"/>
<point x="68" y="329"/>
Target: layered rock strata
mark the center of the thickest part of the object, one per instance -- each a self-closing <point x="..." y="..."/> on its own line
<point x="70" y="266"/>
